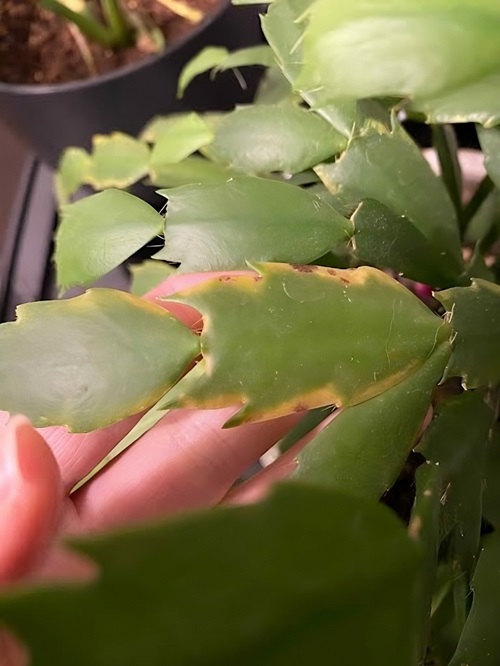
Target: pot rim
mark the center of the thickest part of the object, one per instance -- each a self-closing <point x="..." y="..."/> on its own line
<point x="33" y="89"/>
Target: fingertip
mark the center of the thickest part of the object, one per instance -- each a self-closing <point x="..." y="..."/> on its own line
<point x="179" y="282"/>
<point x="32" y="494"/>
<point x="63" y="564"/>
<point x="12" y="651"/>
<point x="258" y="487"/>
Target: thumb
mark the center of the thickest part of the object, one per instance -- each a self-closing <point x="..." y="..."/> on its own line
<point x="31" y="498"/>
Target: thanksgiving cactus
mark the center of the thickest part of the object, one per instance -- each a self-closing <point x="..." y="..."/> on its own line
<point x="355" y="288"/>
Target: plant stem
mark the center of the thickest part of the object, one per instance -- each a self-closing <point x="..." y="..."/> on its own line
<point x="121" y="31"/>
<point x="482" y="192"/>
<point x="445" y="143"/>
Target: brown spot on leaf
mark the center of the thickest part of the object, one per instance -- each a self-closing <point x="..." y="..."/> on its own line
<point x="300" y="407"/>
<point x="227" y="278"/>
<point x="302" y="268"/>
<point x="331" y="271"/>
<point x="345" y="280"/>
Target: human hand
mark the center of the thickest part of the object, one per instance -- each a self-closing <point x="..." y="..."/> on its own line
<point x="186" y="461"/>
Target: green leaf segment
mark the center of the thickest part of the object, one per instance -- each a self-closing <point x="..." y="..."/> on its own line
<point x="92" y="360"/>
<point x="318" y="170"/>
<point x="326" y="337"/>
<point x="322" y="336"/>
<point x="214" y="588"/>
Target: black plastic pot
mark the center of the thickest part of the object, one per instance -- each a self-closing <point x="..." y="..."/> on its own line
<point x="50" y="118"/>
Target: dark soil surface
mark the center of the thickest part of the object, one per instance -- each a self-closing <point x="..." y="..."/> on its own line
<point x="38" y="47"/>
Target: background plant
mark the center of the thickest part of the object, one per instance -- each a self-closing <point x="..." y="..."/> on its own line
<point x="320" y="193"/>
<point x="108" y="22"/>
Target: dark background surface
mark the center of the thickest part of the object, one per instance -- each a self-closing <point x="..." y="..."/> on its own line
<point x="15" y="168"/>
<point x="27" y="224"/>
<point x="13" y="156"/>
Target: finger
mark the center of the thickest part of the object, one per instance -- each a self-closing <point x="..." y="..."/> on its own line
<point x="187" y="461"/>
<point x="12" y="651"/>
<point x="63" y="565"/>
<point x="258" y="487"/>
<point x="78" y="454"/>
<point x="30" y="487"/>
<point x="178" y="282"/>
